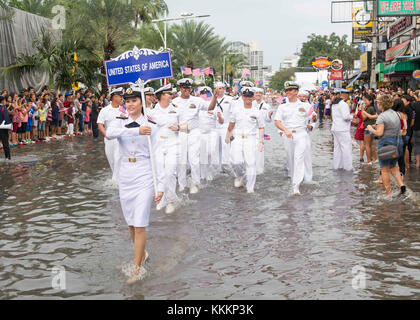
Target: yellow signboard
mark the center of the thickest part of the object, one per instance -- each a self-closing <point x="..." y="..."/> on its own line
<point x="362" y="23"/>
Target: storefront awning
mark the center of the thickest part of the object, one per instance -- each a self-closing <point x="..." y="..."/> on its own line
<point x="379" y="67"/>
<point x="399" y="50"/>
<point x="401" y="67"/>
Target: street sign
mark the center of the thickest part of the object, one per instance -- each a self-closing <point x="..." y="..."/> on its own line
<point x="138" y="64"/>
<point x="393" y="8"/>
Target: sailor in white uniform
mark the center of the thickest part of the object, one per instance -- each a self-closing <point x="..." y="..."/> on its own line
<point x="189" y="136"/>
<point x="224" y="103"/>
<point x="267" y="115"/>
<point x="246" y="124"/>
<point x="149" y="95"/>
<point x="304" y="96"/>
<point x="166" y="117"/>
<point x="292" y="118"/>
<point x="209" y="157"/>
<point x="341" y="118"/>
<point x="106" y="116"/>
<point x="136" y="179"/>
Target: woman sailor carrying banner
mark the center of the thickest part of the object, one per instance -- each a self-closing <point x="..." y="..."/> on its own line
<point x="136" y="180"/>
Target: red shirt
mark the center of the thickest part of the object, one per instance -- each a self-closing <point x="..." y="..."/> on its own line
<point x="70" y="118"/>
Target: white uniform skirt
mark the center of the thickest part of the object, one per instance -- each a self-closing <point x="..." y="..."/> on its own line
<point x="136" y="191"/>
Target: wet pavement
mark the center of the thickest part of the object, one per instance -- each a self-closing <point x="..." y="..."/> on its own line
<point x="57" y="209"/>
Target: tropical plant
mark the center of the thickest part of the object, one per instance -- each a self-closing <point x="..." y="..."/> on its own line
<point x="332" y="46"/>
<point x="280" y="77"/>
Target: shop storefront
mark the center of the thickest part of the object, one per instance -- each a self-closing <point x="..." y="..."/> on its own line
<point x="400" y="73"/>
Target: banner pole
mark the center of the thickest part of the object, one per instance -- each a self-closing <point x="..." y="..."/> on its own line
<point x="141" y="84"/>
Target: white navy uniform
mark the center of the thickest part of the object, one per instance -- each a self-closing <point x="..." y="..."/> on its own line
<point x="209" y="157"/>
<point x="225" y="105"/>
<point x="168" y="148"/>
<point x="340" y="129"/>
<point x="106" y="116"/>
<point x="308" y="150"/>
<point x="265" y="109"/>
<point x="136" y="180"/>
<point x="243" y="149"/>
<point x="294" y="117"/>
<point x="189" y="141"/>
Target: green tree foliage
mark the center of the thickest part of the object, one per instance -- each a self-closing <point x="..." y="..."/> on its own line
<point x="332" y="46"/>
<point x="280" y="77"/>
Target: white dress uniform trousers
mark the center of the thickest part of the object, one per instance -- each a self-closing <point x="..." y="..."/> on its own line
<point x="265" y="109"/>
<point x="341" y="117"/>
<point x="168" y="148"/>
<point x="244" y="149"/>
<point x="294" y="116"/>
<point x="190" y="141"/>
<point x="136" y="179"/>
<point x="223" y="148"/>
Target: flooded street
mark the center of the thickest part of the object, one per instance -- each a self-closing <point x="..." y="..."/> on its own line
<point x="56" y="209"/>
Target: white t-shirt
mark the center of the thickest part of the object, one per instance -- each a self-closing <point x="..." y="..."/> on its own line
<point x="328" y="104"/>
<point x="107" y="115"/>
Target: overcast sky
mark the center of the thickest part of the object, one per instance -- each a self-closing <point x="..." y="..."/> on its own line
<point x="278" y="26"/>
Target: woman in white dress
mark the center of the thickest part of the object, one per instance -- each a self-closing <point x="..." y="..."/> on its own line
<point x="136" y="180"/>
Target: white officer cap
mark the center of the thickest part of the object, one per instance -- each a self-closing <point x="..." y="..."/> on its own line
<point x="290" y="85"/>
<point x="259" y="90"/>
<point x="303" y="92"/>
<point x="117" y="91"/>
<point x="248" y="91"/>
<point x="219" y="85"/>
<point x="185" y="83"/>
<point x="164" y="89"/>
<point x="248" y="84"/>
<point x="205" y="90"/>
<point x="149" y="91"/>
<point x="132" y="92"/>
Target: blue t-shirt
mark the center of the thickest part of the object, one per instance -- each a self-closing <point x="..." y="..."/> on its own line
<point x="30" y="115"/>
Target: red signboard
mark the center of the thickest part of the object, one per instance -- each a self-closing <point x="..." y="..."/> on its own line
<point x="397" y="51"/>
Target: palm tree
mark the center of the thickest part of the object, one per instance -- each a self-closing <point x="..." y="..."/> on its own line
<point x="6" y="14"/>
<point x="195" y="44"/>
<point x="147" y="10"/>
<point x="234" y="64"/>
<point x="39" y="7"/>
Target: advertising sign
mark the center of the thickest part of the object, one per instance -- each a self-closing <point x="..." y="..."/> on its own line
<point x="362" y="23"/>
<point x="393" y="8"/>
<point x="144" y="64"/>
<point x="400" y="27"/>
<point x="321" y="63"/>
<point x="337" y="70"/>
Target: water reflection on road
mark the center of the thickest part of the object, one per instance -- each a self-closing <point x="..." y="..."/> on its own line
<point x="57" y="210"/>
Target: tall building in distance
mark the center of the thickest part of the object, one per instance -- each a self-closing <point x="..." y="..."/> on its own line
<point x="255" y="59"/>
<point x="289" y="62"/>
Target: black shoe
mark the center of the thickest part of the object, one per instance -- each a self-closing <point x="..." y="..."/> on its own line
<point x="403" y="190"/>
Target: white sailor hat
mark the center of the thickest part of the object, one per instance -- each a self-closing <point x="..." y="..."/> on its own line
<point x="117" y="91"/>
<point x="219" y="85"/>
<point x="149" y="91"/>
<point x="132" y="92"/>
<point x="248" y="91"/>
<point x="164" y="89"/>
<point x="303" y="92"/>
<point x="185" y="83"/>
<point x="259" y="90"/>
<point x="205" y="90"/>
<point x="290" y="85"/>
<point x="247" y="84"/>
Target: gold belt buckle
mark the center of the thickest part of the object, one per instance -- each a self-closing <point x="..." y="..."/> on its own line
<point x="244" y="137"/>
<point x="293" y="131"/>
<point x="162" y="137"/>
<point x="132" y="160"/>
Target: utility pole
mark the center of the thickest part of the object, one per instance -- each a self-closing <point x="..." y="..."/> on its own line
<point x="374" y="45"/>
